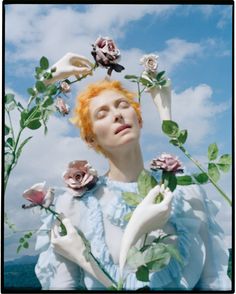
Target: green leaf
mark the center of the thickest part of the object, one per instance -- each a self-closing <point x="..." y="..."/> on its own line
<point x="174" y="252"/>
<point x="44" y="64"/>
<point x="212" y="151"/>
<point x="224" y="167"/>
<point x="129" y="77"/>
<point x="128" y="216"/>
<point x="170" y="128"/>
<point x="182" y="137"/>
<point x="160" y="263"/>
<point x="201" y="178"/>
<point x="18" y="249"/>
<point x="145" y="82"/>
<point x="22" y="240"/>
<point x="9" y="98"/>
<point x="213" y="172"/>
<point x="225" y="159"/>
<point x="142" y="274"/>
<point x="162" y="83"/>
<point x="52" y="89"/>
<point x="47" y="75"/>
<point x="19" y="150"/>
<point x="184" y="180"/>
<point x="145" y="183"/>
<point x="10" y="142"/>
<point x="171" y="179"/>
<point x="38" y="71"/>
<point x="175" y="142"/>
<point x="159" y="75"/>
<point x="154" y="252"/>
<point x="7" y="130"/>
<point x="131" y="199"/>
<point x="31" y="91"/>
<point x="34" y="125"/>
<point x="26" y="245"/>
<point x="135" y="258"/>
<point x="41" y="88"/>
<point x="48" y="101"/>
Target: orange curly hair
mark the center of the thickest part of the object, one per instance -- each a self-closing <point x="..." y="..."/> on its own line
<point x="81" y="112"/>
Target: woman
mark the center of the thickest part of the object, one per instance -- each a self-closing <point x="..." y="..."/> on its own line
<point x="110" y="122"/>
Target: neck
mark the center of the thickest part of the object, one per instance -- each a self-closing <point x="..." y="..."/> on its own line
<point x="126" y="165"/>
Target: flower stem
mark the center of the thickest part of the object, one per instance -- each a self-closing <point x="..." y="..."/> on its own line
<point x="204" y="171"/>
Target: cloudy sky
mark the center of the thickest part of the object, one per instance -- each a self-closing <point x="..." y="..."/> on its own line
<point x="194" y="44"/>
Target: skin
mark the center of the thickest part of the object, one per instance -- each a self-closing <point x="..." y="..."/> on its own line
<point x="109" y="111"/>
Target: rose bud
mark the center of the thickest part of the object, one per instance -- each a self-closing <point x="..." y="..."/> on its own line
<point x="65" y="87"/>
<point x="39" y="195"/>
<point x="61" y="106"/>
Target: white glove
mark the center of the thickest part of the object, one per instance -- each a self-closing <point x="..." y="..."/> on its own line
<point x="146" y="217"/>
<point x="162" y="99"/>
<point x="70" y="64"/>
<point x="72" y="247"/>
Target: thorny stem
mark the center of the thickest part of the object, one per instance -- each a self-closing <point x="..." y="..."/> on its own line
<point x="204" y="171"/>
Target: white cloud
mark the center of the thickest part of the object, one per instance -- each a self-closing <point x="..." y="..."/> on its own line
<point x="225" y="17"/>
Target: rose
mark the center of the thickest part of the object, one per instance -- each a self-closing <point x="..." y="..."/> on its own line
<point x="39" y="195"/>
<point x="65" y="87"/>
<point x="80" y="177"/>
<point x="61" y="106"/>
<point x="106" y="54"/>
<point x="149" y="62"/>
<point x="167" y="162"/>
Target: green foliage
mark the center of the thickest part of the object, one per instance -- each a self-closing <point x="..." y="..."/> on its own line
<point x="184" y="180"/>
<point x="170" y="180"/>
<point x="152" y="257"/>
<point x="213" y="172"/>
<point x="212" y="151"/>
<point x="170" y="128"/>
<point x="24" y="241"/>
<point x="131" y="199"/>
<point x="44" y="64"/>
<point x="201" y="178"/>
<point x="9" y="98"/>
<point x="229" y="270"/>
<point x="145" y="183"/>
<point x="160" y="75"/>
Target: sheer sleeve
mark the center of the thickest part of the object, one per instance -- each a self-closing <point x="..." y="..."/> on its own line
<point x="213" y="275"/>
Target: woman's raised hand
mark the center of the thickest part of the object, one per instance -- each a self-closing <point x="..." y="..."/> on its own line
<point x="162" y="100"/>
<point x="147" y="217"/>
<point x="70" y="64"/>
<point x="72" y="247"/>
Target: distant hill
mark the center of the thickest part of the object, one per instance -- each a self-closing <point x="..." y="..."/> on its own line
<point x="19" y="273"/>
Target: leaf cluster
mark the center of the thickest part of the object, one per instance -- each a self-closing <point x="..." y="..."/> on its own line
<point x="24" y="241"/>
<point x="152" y="257"/>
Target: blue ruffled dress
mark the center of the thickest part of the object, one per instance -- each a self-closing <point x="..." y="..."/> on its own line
<point x="199" y="241"/>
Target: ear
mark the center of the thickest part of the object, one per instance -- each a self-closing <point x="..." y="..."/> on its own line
<point x="140" y="122"/>
<point x="91" y="142"/>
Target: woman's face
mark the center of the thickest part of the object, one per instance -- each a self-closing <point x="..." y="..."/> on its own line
<point x="114" y="121"/>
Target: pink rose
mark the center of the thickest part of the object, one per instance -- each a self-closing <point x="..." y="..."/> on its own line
<point x="106" y="54"/>
<point x="61" y="106"/>
<point x="80" y="177"/>
<point x="39" y="195"/>
<point x="167" y="162"/>
<point x="65" y="87"/>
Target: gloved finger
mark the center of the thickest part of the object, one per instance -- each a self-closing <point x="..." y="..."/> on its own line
<point x="168" y="196"/>
<point x="68" y="225"/>
<point x="80" y="61"/>
<point x="76" y="70"/>
<point x="152" y="194"/>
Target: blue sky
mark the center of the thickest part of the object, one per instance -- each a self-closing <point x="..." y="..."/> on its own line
<point x="194" y="44"/>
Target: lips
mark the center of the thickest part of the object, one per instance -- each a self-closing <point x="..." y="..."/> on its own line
<point x="122" y="127"/>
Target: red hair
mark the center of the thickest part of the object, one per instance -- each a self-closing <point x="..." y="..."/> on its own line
<point x="81" y="112"/>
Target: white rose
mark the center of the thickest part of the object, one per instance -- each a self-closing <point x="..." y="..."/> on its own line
<point x="150" y="62"/>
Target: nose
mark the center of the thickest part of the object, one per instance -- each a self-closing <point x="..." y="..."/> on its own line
<point x="118" y="117"/>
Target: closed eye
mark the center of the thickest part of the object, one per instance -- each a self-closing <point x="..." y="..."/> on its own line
<point x="101" y="114"/>
<point x="123" y="104"/>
